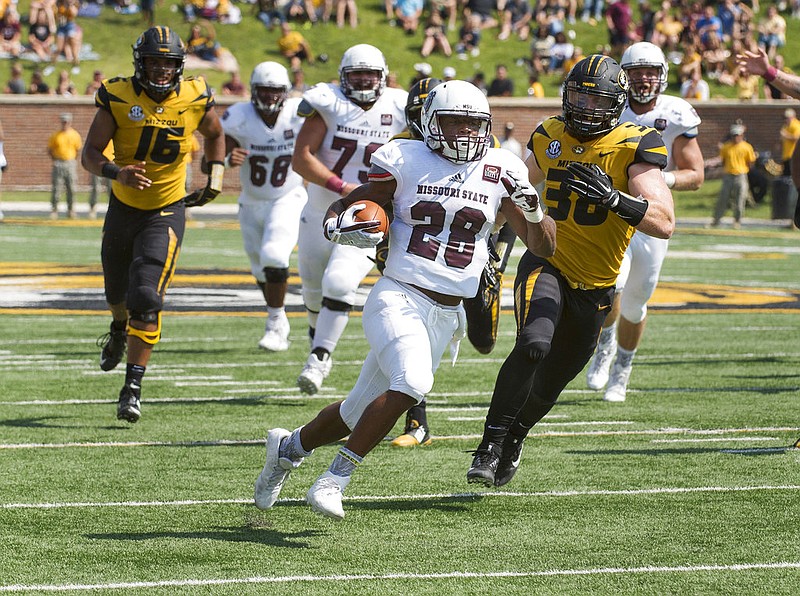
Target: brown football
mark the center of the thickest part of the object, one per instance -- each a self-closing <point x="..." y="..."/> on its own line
<point x="373" y="211"/>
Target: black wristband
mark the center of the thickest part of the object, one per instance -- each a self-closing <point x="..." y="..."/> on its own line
<point x="110" y="170"/>
<point x="631" y="209"/>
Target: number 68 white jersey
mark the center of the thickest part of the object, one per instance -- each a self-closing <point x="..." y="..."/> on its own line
<point x="443" y="214"/>
<point x="267" y="172"/>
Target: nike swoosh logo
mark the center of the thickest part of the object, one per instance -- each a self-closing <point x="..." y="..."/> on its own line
<point x="165" y="213"/>
<point x="605" y="307"/>
<point x="606" y="154"/>
<point x="181" y="111"/>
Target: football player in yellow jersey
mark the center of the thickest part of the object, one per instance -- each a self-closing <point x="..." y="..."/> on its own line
<point x="602" y="180"/>
<point x="151" y="118"/>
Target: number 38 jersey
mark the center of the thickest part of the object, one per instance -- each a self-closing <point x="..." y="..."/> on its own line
<point x="267" y="172"/>
<point x="353" y="133"/>
<point x="443" y="214"/>
<point x="591" y="239"/>
<point x="159" y="134"/>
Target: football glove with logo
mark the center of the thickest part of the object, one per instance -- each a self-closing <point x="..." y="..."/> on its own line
<point x="524" y="196"/>
<point x="202" y="196"/>
<point x="345" y="229"/>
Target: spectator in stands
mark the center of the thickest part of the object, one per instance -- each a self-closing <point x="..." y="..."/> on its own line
<point x="422" y="70"/>
<point x="747" y="86"/>
<point x="695" y="88"/>
<point x="469" y="37"/>
<point x="619" y="20"/>
<point x="479" y="80"/>
<point x="691" y="63"/>
<point x="516" y="18"/>
<point x="535" y="88"/>
<point x="577" y="56"/>
<point x="269" y="12"/>
<point x="448" y="73"/>
<point x="772" y="31"/>
<point x="485" y="10"/>
<point x="392" y="81"/>
<point x="202" y="41"/>
<point x="346" y="8"/>
<point x="302" y="10"/>
<point x="16" y="84"/>
<point x="37" y="84"/>
<point x="552" y="14"/>
<point x="234" y="86"/>
<point x="94" y="84"/>
<point x="790" y="134"/>
<point x="64" y="146"/>
<point x="738" y="156"/>
<point x="729" y="12"/>
<point x="41" y="31"/>
<point x="541" y="49"/>
<point x="668" y="29"/>
<point x="714" y="56"/>
<point x="408" y="13"/>
<point x="501" y="85"/>
<point x="592" y="11"/>
<point x="448" y="10"/>
<point x="647" y="22"/>
<point x="64" y="86"/>
<point x="294" y="47"/>
<point x="561" y="51"/>
<point x="69" y="36"/>
<point x="435" y="37"/>
<point x="11" y="33"/>
<point x="298" y="78"/>
<point x="709" y="28"/>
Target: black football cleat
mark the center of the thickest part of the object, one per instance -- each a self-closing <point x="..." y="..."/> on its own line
<point x="509" y="461"/>
<point x="484" y="465"/>
<point x="114" y="344"/>
<point x="129" y="406"/>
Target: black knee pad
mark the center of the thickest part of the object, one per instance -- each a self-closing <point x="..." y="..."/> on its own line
<point x="144" y="299"/>
<point x="275" y="275"/>
<point x="337" y="305"/>
<point x="144" y="317"/>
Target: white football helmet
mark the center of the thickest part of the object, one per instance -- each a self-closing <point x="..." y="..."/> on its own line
<point x="363" y="58"/>
<point x="274" y="80"/>
<point x="645" y="54"/>
<point x="459" y="99"/>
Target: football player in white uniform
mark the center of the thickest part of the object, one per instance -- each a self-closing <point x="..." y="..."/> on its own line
<point x="677" y="121"/>
<point x="446" y="194"/>
<point x="260" y="137"/>
<point x="344" y="125"/>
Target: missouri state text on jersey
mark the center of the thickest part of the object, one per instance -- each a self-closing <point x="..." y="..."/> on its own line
<point x="591" y="239"/>
<point x="159" y="134"/>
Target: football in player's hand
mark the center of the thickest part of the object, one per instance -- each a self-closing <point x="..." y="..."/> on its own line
<point x="371" y="212"/>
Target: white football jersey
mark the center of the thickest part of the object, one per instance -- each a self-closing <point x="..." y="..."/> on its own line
<point x="671" y="116"/>
<point x="354" y="133"/>
<point x="443" y="214"/>
<point x="267" y="172"/>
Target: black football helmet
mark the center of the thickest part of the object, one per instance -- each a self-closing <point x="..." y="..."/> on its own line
<point x="416" y="97"/>
<point x="594" y="96"/>
<point x="158" y="42"/>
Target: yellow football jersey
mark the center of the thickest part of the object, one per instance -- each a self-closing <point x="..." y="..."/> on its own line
<point x="159" y="134"/>
<point x="591" y="240"/>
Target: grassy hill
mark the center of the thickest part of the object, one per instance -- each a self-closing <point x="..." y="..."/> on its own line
<point x="112" y="34"/>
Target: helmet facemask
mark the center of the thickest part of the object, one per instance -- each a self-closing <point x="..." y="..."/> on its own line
<point x="268" y="100"/>
<point x="363" y="86"/>
<point x="456" y="121"/>
<point x="158" y="59"/>
<point x="647" y="82"/>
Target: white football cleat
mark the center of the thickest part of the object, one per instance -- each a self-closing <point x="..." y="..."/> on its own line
<point x="276" y="335"/>
<point x="276" y="470"/>
<point x="618" y="383"/>
<point x="314" y="373"/>
<point x="597" y="375"/>
<point x="325" y="495"/>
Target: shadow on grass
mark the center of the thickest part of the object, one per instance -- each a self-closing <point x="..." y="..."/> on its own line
<point x="38" y="422"/>
<point x="255" y="535"/>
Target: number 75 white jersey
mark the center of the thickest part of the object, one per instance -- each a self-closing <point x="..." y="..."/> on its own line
<point x="443" y="214"/>
<point x="267" y="172"/>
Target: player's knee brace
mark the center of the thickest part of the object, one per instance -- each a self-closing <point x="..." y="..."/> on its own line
<point x="146" y="318"/>
<point x="337" y="305"/>
<point x="276" y="275"/>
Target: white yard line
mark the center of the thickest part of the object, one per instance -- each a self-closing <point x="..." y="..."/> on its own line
<point x="335" y="580"/>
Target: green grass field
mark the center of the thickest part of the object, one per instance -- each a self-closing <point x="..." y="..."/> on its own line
<point x="689" y="487"/>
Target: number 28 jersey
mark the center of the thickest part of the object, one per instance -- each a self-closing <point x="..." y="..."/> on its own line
<point x="159" y="134"/>
<point x="443" y="214"/>
<point x="267" y="172"/>
<point x="591" y="239"/>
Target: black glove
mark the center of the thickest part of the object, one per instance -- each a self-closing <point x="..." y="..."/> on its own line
<point x="213" y="187"/>
<point x="590" y="182"/>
